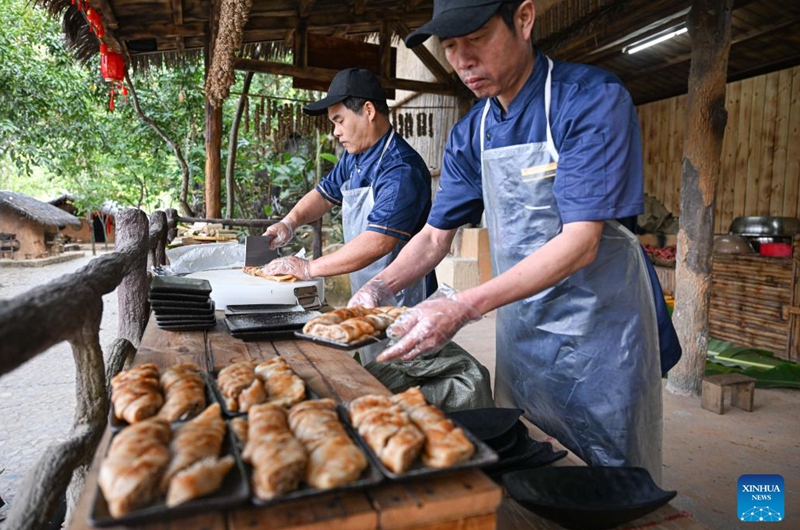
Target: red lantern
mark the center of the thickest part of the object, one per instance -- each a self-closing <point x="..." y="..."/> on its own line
<point x="103" y="48"/>
<point x="95" y="21"/>
<point x="112" y="66"/>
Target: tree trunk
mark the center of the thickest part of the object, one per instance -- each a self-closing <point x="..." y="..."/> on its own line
<point x="132" y="227"/>
<point x="233" y="141"/>
<point x="213" y="127"/>
<point x="173" y="145"/>
<point x="709" y="25"/>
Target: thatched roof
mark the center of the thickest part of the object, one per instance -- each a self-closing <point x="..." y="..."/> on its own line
<point x="39" y="211"/>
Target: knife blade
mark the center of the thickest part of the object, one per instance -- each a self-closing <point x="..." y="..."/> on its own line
<point x="257" y="252"/>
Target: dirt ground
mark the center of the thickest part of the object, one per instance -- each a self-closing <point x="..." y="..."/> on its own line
<point x="704" y="453"/>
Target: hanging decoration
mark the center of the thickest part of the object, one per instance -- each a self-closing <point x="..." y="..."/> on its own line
<point x="232" y="18"/>
<point x="112" y="68"/>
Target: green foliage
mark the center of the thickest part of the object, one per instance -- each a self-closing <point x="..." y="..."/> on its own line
<point x="58" y="136"/>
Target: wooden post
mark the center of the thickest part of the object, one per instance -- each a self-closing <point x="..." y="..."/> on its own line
<point x="213" y="129"/>
<point x="172" y="223"/>
<point x="709" y="25"/>
<point x="132" y="226"/>
<point x="157" y="256"/>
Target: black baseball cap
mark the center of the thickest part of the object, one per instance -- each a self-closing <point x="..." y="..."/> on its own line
<point x="455" y="18"/>
<point x="352" y="82"/>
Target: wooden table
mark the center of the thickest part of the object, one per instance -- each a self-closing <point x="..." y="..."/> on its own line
<point x="464" y="500"/>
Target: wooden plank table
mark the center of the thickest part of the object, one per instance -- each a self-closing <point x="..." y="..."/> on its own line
<point x="464" y="500"/>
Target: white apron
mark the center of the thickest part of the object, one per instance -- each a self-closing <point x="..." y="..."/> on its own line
<point x="357" y="203"/>
<point x="581" y="357"/>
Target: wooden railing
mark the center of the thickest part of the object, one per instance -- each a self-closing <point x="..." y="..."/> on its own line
<point x="70" y="309"/>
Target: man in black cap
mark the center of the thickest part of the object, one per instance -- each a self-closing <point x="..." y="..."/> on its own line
<point x="381" y="183"/>
<point x="552" y="152"/>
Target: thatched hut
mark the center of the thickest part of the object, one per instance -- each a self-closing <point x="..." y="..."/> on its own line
<point x="35" y="224"/>
<point x="99" y="223"/>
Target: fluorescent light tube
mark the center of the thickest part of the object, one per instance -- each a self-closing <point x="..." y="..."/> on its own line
<point x="652" y="42"/>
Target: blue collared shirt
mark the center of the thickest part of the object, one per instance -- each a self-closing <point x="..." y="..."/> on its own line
<point x="401" y="185"/>
<point x="595" y="131"/>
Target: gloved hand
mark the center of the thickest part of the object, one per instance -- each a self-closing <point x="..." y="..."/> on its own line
<point x="297" y="267"/>
<point x="427" y="327"/>
<point x="374" y="293"/>
<point x="282" y="232"/>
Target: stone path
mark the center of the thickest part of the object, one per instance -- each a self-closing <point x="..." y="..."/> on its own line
<point x="37" y="400"/>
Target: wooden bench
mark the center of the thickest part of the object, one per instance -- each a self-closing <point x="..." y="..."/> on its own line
<point x="742" y="392"/>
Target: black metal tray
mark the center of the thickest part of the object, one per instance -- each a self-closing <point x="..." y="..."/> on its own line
<point x="525" y="453"/>
<point x="346" y="346"/>
<point x="483" y="456"/>
<point x="179" y="285"/>
<point x="178" y="319"/>
<point x="115" y="424"/>
<point x="186" y="327"/>
<point x="587" y="498"/>
<point x="165" y="311"/>
<point x="284" y="321"/>
<point x="235" y="490"/>
<point x="369" y="477"/>
<point x="178" y="297"/>
<point x="252" y="336"/>
<point x="256" y="309"/>
<point x="181" y="305"/>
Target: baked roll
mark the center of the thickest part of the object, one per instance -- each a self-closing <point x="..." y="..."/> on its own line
<point x="184" y="392"/>
<point x="131" y="471"/>
<point x="283" y="386"/>
<point x="278" y="458"/>
<point x="136" y="393"/>
<point x="334" y="459"/>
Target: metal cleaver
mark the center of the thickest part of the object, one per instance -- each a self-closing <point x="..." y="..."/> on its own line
<point x="257" y="252"/>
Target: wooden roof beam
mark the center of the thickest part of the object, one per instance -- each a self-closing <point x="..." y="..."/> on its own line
<point x="304" y="8"/>
<point x="161" y="29"/>
<point x="177" y="12"/>
<point x="427" y="58"/>
<point x="688" y="56"/>
<point x="106" y="13"/>
<point x="360" y="6"/>
<point x="602" y="27"/>
<point x="325" y="75"/>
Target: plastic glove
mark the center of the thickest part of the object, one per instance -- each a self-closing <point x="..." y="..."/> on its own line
<point x="374" y="293"/>
<point x="297" y="267"/>
<point x="427" y="327"/>
<point x="282" y="232"/>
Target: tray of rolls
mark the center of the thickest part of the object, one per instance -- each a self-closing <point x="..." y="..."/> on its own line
<point x="155" y="470"/>
<point x="301" y="452"/>
<point x="352" y="327"/>
<point x="175" y="394"/>
<point x="241" y="385"/>
<point x="407" y="437"/>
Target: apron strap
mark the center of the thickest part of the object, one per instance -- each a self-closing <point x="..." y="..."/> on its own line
<point x="551" y="146"/>
<point x="547" y="93"/>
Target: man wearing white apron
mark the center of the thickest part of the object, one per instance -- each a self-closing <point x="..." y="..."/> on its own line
<point x="381" y="183"/>
<point x="553" y="154"/>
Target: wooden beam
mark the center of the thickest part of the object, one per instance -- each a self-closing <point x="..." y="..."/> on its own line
<point x="177" y="12"/>
<point x="359" y="7"/>
<point x="135" y="31"/>
<point x="304" y="8"/>
<point x="106" y="13"/>
<point x="687" y="56"/>
<point x="385" y="52"/>
<point x="327" y="74"/>
<point x="427" y="58"/>
<point x="709" y="26"/>
<point x="603" y="26"/>
<point x="213" y="137"/>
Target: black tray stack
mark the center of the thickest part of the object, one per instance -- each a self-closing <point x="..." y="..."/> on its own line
<point x="182" y="304"/>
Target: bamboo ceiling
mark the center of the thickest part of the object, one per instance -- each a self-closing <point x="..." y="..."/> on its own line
<point x="765" y="33"/>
